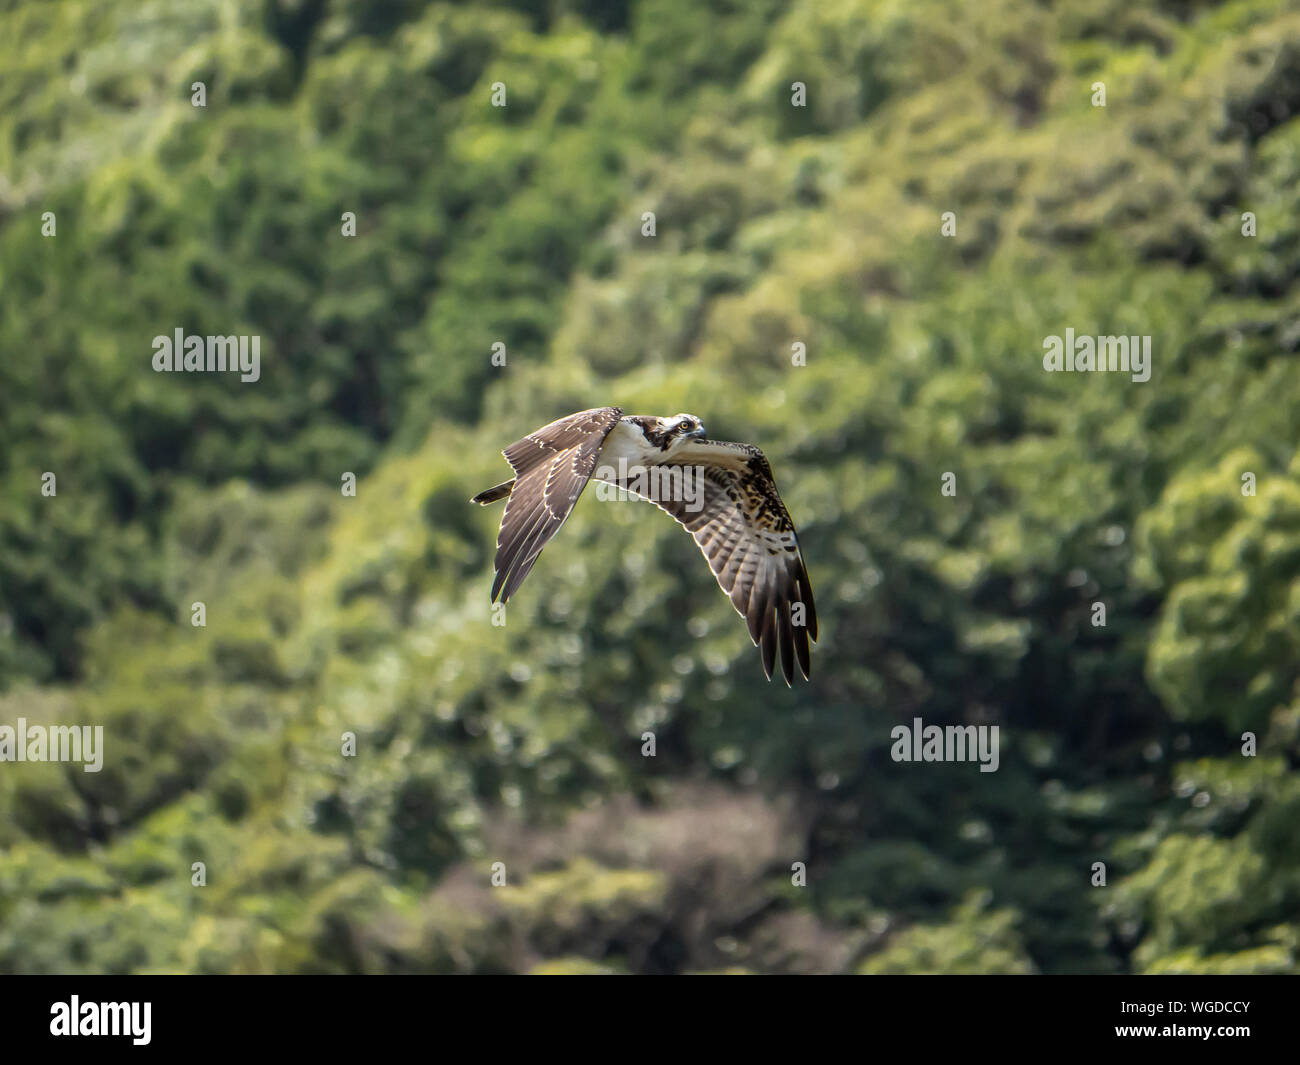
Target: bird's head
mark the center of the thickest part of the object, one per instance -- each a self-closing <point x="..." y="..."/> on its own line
<point x="681" y="428"/>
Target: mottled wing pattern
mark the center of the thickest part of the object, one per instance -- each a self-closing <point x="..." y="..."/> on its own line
<point x="746" y="534"/>
<point x="552" y="467"/>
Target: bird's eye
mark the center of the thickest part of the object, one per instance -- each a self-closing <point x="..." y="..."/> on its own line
<point x="687" y="426"/>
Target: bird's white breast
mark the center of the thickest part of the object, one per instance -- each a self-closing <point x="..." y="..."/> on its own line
<point x="628" y="445"/>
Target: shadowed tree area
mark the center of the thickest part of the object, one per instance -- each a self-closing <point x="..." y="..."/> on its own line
<point x="1113" y="578"/>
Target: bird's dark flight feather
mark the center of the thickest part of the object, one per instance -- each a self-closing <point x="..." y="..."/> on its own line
<point x="552" y="467"/>
<point x="746" y="534"/>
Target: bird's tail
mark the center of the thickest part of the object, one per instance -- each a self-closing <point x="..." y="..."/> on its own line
<point x="499" y="491"/>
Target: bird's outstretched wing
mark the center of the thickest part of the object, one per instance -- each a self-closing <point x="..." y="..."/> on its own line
<point x="743" y="529"/>
<point x="552" y="467"/>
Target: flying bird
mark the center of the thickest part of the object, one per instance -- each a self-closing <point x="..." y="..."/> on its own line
<point x="722" y="494"/>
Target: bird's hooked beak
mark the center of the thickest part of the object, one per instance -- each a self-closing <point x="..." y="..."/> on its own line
<point x="697" y="433"/>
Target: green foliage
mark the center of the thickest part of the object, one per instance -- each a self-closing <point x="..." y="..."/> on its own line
<point x="974" y="941"/>
<point x="330" y="616"/>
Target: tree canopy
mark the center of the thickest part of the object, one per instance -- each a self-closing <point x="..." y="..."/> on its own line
<point x="947" y="193"/>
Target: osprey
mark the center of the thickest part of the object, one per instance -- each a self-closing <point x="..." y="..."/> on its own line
<point x="734" y="512"/>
